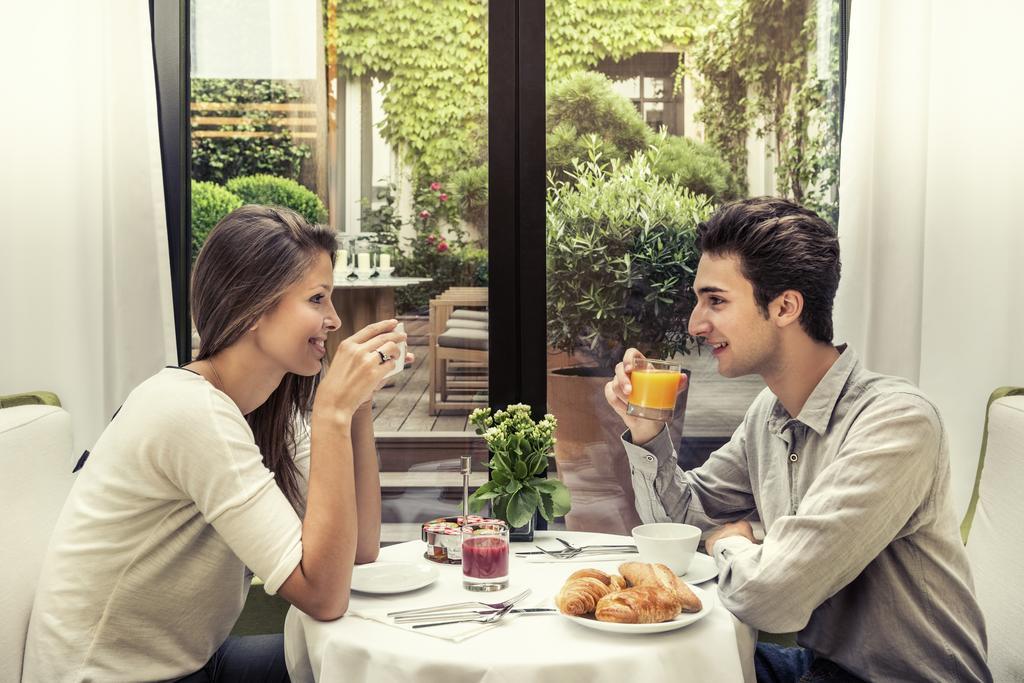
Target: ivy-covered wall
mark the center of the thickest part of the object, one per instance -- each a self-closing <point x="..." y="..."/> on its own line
<point x="750" y="58"/>
<point x="433" y="58"/>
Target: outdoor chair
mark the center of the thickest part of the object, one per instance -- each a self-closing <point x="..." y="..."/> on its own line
<point x="993" y="532"/>
<point x="458" y="350"/>
<point x="36" y="458"/>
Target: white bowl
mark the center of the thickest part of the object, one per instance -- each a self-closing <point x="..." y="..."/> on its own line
<point x="667" y="543"/>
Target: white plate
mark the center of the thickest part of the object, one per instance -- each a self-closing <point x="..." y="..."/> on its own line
<point x="702" y="568"/>
<point x="684" y="619"/>
<point x="392" y="577"/>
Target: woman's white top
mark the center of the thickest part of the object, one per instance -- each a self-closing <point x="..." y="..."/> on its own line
<point x="145" y="573"/>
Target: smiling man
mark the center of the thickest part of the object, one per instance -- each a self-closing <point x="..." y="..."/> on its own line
<point x="847" y="469"/>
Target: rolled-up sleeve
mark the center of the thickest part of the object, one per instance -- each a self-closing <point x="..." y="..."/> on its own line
<point x="719" y="491"/>
<point x="856" y="506"/>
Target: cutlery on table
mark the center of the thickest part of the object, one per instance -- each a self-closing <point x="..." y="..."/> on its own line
<point x="468" y="616"/>
<point x="485" y="619"/>
<point x="566" y="554"/>
<point x="462" y="605"/>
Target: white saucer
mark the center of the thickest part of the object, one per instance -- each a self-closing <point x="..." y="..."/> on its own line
<point x="392" y="577"/>
<point x="684" y="619"/>
<point x="702" y="568"/>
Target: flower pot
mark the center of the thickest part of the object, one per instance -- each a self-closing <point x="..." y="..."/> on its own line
<point x="523" y="533"/>
<point x="589" y="454"/>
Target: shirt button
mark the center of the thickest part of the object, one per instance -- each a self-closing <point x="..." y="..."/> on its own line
<point x="793" y="457"/>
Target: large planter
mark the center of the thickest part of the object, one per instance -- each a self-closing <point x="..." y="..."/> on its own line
<point x="589" y="454"/>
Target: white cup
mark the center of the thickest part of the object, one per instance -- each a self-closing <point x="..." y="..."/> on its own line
<point x="668" y="543"/>
<point x="400" y="358"/>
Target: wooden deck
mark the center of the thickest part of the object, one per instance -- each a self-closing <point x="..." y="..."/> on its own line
<point x="403" y="408"/>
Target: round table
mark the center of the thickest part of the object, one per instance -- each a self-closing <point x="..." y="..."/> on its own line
<point x="519" y="649"/>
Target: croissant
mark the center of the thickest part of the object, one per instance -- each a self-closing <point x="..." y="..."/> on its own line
<point x="637" y="605"/>
<point x="580" y="595"/>
<point x="616" y="582"/>
<point x="660" y="576"/>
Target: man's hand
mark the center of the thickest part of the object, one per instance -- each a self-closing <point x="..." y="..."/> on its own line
<point x="740" y="528"/>
<point x="617" y="392"/>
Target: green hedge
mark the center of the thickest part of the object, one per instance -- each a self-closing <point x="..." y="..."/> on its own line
<point x="210" y="203"/>
<point x="268" y="189"/>
<point x="583" y="105"/>
<point x="695" y="166"/>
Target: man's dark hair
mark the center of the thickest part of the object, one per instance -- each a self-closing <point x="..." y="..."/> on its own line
<point x="780" y="245"/>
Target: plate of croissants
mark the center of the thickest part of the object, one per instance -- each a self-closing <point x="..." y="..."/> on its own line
<point x="642" y="598"/>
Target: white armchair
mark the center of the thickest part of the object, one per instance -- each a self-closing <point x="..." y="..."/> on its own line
<point x="35" y="476"/>
<point x="995" y="535"/>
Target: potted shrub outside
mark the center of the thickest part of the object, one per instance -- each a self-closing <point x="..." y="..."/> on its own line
<point x="621" y="259"/>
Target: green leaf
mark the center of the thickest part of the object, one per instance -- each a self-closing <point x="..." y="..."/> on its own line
<point x="520" y="470"/>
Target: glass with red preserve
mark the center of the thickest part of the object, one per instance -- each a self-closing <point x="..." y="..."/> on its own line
<point x="485" y="556"/>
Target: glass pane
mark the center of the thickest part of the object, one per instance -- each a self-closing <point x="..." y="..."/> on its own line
<point x="340" y="103"/>
<point x="654" y="114"/>
<point x="629" y="87"/>
<point x="614" y="281"/>
<point x="658" y="88"/>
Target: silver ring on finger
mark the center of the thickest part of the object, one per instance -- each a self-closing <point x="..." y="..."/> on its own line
<point x="384" y="357"/>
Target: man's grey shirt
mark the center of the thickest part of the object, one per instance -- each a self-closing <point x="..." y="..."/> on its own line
<point x="862" y="551"/>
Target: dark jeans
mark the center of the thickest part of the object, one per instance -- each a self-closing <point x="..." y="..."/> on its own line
<point x="776" y="664"/>
<point x="245" y="658"/>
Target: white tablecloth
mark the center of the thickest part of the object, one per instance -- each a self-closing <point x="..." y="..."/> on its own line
<point x="520" y="649"/>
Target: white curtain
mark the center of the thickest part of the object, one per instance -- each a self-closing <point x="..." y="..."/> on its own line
<point x="931" y="220"/>
<point x="85" y="302"/>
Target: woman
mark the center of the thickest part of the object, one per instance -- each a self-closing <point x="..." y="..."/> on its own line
<point x="203" y="472"/>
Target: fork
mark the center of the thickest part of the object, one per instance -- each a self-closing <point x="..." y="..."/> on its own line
<point x="488" y="619"/>
<point x="469" y="615"/>
<point x="570" y="546"/>
<point x="462" y="605"/>
<point x="568" y="553"/>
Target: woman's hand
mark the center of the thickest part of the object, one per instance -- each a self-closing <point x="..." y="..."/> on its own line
<point x="357" y="370"/>
<point x="617" y="392"/>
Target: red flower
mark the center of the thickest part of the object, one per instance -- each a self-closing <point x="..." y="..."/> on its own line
<point x="431" y="239"/>
<point x="442" y="246"/>
<point x="424" y="214"/>
<point x="443" y="197"/>
<point x="435" y="186"/>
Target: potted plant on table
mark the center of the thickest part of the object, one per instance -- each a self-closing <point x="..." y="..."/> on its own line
<point x="519" y="448"/>
<point x="621" y="246"/>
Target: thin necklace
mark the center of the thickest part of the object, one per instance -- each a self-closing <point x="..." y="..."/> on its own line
<point x="219" y="380"/>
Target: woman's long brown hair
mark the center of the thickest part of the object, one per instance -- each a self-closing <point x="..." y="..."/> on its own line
<point x="251" y="257"/>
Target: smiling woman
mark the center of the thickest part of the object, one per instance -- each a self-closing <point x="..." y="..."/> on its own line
<point x="253" y="456"/>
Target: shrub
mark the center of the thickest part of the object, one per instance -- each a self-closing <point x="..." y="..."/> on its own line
<point x="218" y="159"/>
<point x="621" y="259"/>
<point x="463" y="266"/>
<point x="470" y="189"/>
<point x="268" y="189"/>
<point x="210" y="203"/>
<point x="584" y="104"/>
<point x="383" y="220"/>
<point x="697" y="167"/>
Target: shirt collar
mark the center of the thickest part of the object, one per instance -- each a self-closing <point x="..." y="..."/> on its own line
<point x="819" y="406"/>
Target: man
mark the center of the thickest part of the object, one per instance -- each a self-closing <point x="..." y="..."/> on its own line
<point x="847" y="469"/>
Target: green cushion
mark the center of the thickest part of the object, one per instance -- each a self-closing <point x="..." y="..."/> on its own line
<point x="31" y="398"/>
<point x="965" y="526"/>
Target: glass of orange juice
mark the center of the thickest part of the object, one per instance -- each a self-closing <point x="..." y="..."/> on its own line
<point x="655" y="385"/>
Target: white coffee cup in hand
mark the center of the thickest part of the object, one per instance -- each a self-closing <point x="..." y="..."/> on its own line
<point x="668" y="543"/>
<point x="399" y="359"/>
